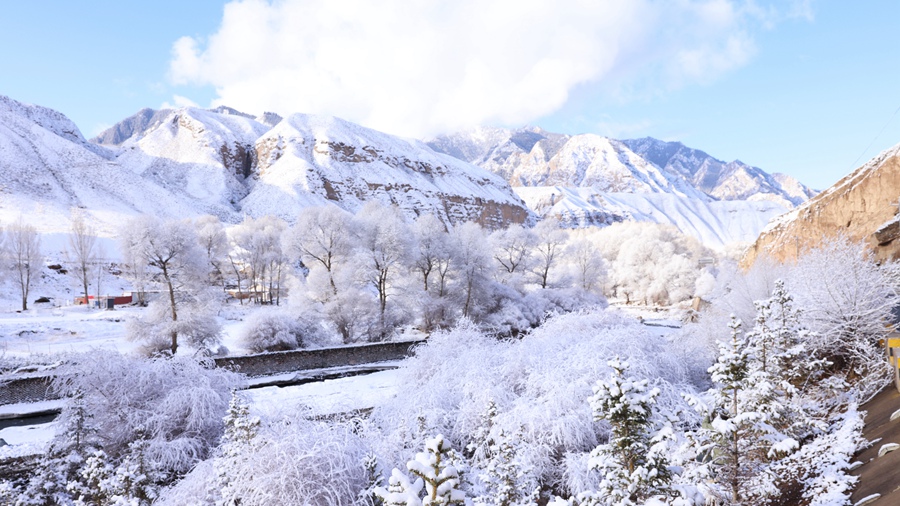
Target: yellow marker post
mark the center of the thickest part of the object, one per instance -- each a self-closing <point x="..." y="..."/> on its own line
<point x="892" y="347"/>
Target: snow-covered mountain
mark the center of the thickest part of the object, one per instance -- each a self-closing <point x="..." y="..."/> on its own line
<point x="723" y="181"/>
<point x="48" y="169"/>
<point x="311" y="160"/>
<point x="593" y="180"/>
<point x="534" y="157"/>
<point x="186" y="162"/>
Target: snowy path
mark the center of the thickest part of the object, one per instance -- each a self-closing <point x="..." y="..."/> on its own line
<point x="326" y="397"/>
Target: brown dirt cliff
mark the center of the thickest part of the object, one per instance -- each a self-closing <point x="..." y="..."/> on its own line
<point x="862" y="206"/>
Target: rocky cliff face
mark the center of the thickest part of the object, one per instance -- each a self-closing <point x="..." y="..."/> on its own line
<point x="309" y="160"/>
<point x="862" y="206"/>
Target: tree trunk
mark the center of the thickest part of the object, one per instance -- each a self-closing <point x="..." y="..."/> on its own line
<point x="165" y="272"/>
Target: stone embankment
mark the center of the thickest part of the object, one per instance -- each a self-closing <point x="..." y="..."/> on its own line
<point x="35" y="387"/>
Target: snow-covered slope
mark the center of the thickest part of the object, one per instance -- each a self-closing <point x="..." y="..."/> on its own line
<point x="187" y="162"/>
<point x="48" y="169"/>
<point x="716" y="224"/>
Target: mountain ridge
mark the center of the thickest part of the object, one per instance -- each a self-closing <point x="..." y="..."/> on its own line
<point x="550" y="158"/>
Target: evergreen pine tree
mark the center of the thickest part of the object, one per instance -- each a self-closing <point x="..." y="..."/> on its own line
<point x="240" y="431"/>
<point x="743" y="434"/>
<point x="374" y="480"/>
<point x="60" y="469"/>
<point x="633" y="463"/>
<point x="782" y="361"/>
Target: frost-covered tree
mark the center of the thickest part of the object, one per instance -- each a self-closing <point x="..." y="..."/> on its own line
<point x="472" y="261"/>
<point x="238" y="439"/>
<point x="432" y="476"/>
<point x="383" y="248"/>
<point x="81" y="252"/>
<point x="171" y="250"/>
<point x="587" y="264"/>
<point x="513" y="251"/>
<point x="257" y="250"/>
<point x="549" y="243"/>
<point x="66" y="454"/>
<point x="322" y="236"/>
<point x="214" y="242"/>
<point x="633" y="463"/>
<point x="650" y="263"/>
<point x="135" y="268"/>
<point x="24" y="256"/>
<point x="847" y="299"/>
<point x="507" y="480"/>
<point x="431" y="260"/>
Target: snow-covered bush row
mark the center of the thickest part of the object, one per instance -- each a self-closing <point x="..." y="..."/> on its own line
<point x="651" y="263"/>
<point x="130" y="422"/>
<point x="539" y="385"/>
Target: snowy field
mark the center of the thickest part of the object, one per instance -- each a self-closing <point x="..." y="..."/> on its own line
<point x="47" y="330"/>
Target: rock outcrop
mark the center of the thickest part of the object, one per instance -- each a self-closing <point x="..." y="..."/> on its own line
<point x="862" y="206"/>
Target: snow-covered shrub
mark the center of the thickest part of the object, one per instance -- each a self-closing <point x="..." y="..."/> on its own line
<point x="277" y="330"/>
<point x="297" y="461"/>
<point x="130" y="425"/>
<point x="822" y="467"/>
<point x="177" y="403"/>
<point x="847" y="299"/>
<point x="514" y="313"/>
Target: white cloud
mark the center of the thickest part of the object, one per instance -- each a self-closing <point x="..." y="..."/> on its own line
<point x="177" y="102"/>
<point x="420" y="68"/>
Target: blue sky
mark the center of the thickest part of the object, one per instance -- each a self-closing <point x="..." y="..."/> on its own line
<point x="808" y="89"/>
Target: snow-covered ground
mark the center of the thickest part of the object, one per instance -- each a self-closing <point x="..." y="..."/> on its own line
<point x="716" y="224"/>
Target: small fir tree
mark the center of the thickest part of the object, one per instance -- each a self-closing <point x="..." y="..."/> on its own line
<point x="434" y="477"/>
<point x="633" y="463"/>
<point x="240" y="431"/>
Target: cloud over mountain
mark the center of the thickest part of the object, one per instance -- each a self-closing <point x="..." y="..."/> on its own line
<point x="421" y="68"/>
